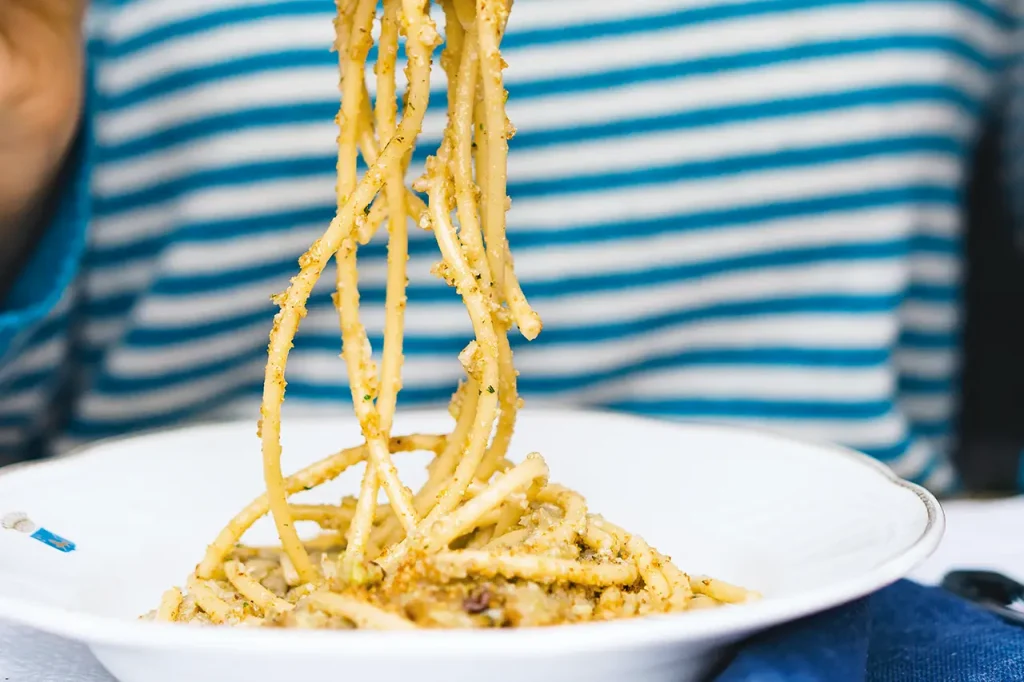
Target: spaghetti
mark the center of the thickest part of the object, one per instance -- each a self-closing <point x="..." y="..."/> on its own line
<point x="485" y="542"/>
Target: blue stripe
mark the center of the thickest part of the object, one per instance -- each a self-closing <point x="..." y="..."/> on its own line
<point x="539" y="384"/>
<point x="83" y="428"/>
<point x="921" y="385"/>
<point x="309" y="168"/>
<point x="526" y="90"/>
<point x="562" y="286"/>
<point x="522" y="239"/>
<point x="930" y="340"/>
<point x="889" y="453"/>
<point x="951" y="246"/>
<point x="592" y="333"/>
<point x="280" y="115"/>
<point x="521" y="39"/>
<point x="33" y="380"/>
<point x="933" y="429"/>
<point x="11" y="420"/>
<point x="934" y="293"/>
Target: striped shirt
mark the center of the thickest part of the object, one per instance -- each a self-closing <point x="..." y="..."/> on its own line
<point x="740" y="211"/>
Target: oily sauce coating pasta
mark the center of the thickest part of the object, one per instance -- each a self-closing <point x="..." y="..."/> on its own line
<point x="485" y="542"/>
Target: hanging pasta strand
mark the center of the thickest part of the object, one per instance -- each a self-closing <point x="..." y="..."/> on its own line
<point x="483" y="532"/>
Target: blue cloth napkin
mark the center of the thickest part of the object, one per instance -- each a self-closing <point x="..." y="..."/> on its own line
<point x="904" y="633"/>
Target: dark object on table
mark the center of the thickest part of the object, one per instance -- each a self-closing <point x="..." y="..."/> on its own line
<point x="994" y="592"/>
<point x="992" y="390"/>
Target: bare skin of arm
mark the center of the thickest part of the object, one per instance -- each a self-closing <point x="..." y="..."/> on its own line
<point x="41" y="84"/>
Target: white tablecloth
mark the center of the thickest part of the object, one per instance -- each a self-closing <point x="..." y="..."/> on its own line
<point x="978" y="535"/>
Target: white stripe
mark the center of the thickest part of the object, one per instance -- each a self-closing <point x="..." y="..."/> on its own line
<point x="881" y="432"/>
<point x="122" y="278"/>
<point x="589" y="157"/>
<point x="98" y="407"/>
<point x="745" y="190"/>
<point x="748" y="34"/>
<point x="569" y="56"/>
<point x="927" y="363"/>
<point x="814" y="331"/>
<point x="752" y="189"/>
<point x="932" y="408"/>
<point x="936" y="268"/>
<point x="697" y="382"/>
<point x="102" y="333"/>
<point x="545" y="263"/>
<point x="554" y="262"/>
<point x="861" y="278"/>
<point x="319" y="84"/>
<point x="829" y="331"/>
<point x="735" y="380"/>
<point x="943" y="477"/>
<point x="914" y="461"/>
<point x="146" y="15"/>
<point x="232" y="41"/>
<point x="11" y="438"/>
<point x="754" y="382"/>
<point x="863" y="435"/>
<point x="26" y="402"/>
<point x="45" y="355"/>
<point x="926" y="316"/>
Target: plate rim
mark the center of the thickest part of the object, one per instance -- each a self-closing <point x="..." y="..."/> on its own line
<point x="108" y="631"/>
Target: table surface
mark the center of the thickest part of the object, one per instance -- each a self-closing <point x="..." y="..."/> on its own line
<point x="979" y="534"/>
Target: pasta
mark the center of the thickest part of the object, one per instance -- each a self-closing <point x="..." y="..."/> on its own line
<point x="485" y="542"/>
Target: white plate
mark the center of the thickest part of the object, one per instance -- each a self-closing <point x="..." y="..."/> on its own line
<point x="810" y="526"/>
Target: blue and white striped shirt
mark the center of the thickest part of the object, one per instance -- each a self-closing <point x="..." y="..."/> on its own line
<point x="731" y="210"/>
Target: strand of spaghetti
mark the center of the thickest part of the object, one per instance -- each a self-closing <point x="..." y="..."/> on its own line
<point x="508" y="540"/>
<point x="327" y="516"/>
<point x="252" y="590"/>
<point x="490" y="18"/>
<point x="486" y="339"/>
<point x="545" y="570"/>
<point x="364" y="615"/>
<point x="422" y="38"/>
<point x="491" y="121"/>
<point x="451" y="57"/>
<point x="567" y="529"/>
<point x="466" y="517"/>
<point x="678" y="581"/>
<point x="170" y="605"/>
<point x="362" y="374"/>
<point x="511" y="513"/>
<point x="721" y="591"/>
<point x="598" y="540"/>
<point x="461" y="124"/>
<point x="368" y="148"/>
<point x="398" y="241"/>
<point x="213" y="606"/>
<point x="313" y="475"/>
<point x="440" y="471"/>
<point x="641" y="552"/>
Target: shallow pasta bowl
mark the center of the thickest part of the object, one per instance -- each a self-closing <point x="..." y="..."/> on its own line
<point x="810" y="526"/>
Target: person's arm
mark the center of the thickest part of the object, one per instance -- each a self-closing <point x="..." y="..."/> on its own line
<point x="41" y="86"/>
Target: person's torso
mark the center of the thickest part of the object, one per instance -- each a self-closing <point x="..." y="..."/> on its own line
<point x="730" y="211"/>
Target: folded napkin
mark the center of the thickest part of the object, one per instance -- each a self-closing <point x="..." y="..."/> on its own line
<point x="904" y="633"/>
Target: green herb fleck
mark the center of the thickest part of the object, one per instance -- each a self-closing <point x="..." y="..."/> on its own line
<point x="490" y="389"/>
<point x="366" y="397"/>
